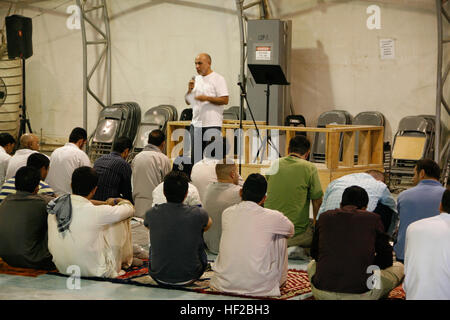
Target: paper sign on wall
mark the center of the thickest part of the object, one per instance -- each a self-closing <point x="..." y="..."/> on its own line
<point x="263" y="53"/>
<point x="387" y="49"/>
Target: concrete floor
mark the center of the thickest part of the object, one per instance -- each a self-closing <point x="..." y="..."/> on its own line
<point x="49" y="287"/>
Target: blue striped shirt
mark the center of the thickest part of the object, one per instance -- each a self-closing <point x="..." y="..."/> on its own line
<point x="9" y="187"/>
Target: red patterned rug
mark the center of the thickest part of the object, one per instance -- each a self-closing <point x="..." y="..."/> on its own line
<point x="297" y="284"/>
<point x="7" y="269"/>
<point x="397" y="294"/>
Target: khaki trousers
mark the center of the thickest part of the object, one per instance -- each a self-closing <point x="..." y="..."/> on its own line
<point x="304" y="239"/>
<point x="119" y="246"/>
<point x="282" y="257"/>
<point x="390" y="278"/>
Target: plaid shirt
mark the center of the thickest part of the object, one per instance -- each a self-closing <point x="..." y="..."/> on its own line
<point x="377" y="191"/>
<point x="114" y="175"/>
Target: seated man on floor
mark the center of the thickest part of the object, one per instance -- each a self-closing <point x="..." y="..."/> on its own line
<point x="427" y="265"/>
<point x="349" y="244"/>
<point x="23" y="224"/>
<point x="64" y="160"/>
<point x="381" y="200"/>
<point x="177" y="252"/>
<point x="292" y="185"/>
<point x="204" y="171"/>
<point x="180" y="164"/>
<point x="149" y="168"/>
<point x="29" y="143"/>
<point x="38" y="161"/>
<point x="114" y="172"/>
<point x="419" y="202"/>
<point x="96" y="238"/>
<point x="252" y="256"/>
<point x="219" y="196"/>
<point x="7" y="144"/>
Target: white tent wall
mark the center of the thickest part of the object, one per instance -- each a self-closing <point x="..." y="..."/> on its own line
<point x="335" y="61"/>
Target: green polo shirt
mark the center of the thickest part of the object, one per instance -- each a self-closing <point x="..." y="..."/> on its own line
<point x="291" y="188"/>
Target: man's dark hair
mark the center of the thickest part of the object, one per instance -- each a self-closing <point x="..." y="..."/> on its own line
<point x="446" y="201"/>
<point x="77" y="134"/>
<point x="6" y="138"/>
<point x="84" y="180"/>
<point x="122" y="143"/>
<point x="355" y="196"/>
<point x="156" y="137"/>
<point x="38" y="161"/>
<point x="299" y="144"/>
<point x="430" y="167"/>
<point x="254" y="188"/>
<point x="175" y="186"/>
<point x="27" y="179"/>
<point x="183" y="164"/>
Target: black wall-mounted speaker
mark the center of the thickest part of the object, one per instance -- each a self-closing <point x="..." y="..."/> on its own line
<point x="19" y="31"/>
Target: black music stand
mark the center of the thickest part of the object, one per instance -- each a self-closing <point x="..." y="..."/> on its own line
<point x="268" y="74"/>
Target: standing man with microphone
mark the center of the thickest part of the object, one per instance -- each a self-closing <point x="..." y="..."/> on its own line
<point x="208" y="94"/>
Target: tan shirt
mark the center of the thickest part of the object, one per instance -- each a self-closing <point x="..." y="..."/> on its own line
<point x="149" y="168"/>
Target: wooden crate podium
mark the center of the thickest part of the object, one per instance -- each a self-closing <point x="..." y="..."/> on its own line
<point x="370" y="146"/>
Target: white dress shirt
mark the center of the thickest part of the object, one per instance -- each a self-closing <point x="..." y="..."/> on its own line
<point x="18" y="160"/>
<point x="252" y="256"/>
<point x="91" y="243"/>
<point x="63" y="162"/>
<point x="427" y="259"/>
<point x="4" y="160"/>
<point x="149" y="168"/>
<point x="192" y="198"/>
<point x="218" y="197"/>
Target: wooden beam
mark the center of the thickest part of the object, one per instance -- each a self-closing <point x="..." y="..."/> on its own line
<point x="348" y="147"/>
<point x="332" y="150"/>
<point x="364" y="147"/>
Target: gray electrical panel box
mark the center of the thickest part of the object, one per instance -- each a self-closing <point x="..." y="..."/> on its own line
<point x="269" y="42"/>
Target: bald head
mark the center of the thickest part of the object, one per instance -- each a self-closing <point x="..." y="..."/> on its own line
<point x="227" y="173"/>
<point x="203" y="64"/>
<point x="205" y="56"/>
<point x="29" y="141"/>
<point x="378" y="175"/>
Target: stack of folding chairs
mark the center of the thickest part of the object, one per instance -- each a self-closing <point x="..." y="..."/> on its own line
<point x="120" y="119"/>
<point x="319" y="144"/>
<point x="413" y="141"/>
<point x="155" y="118"/>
